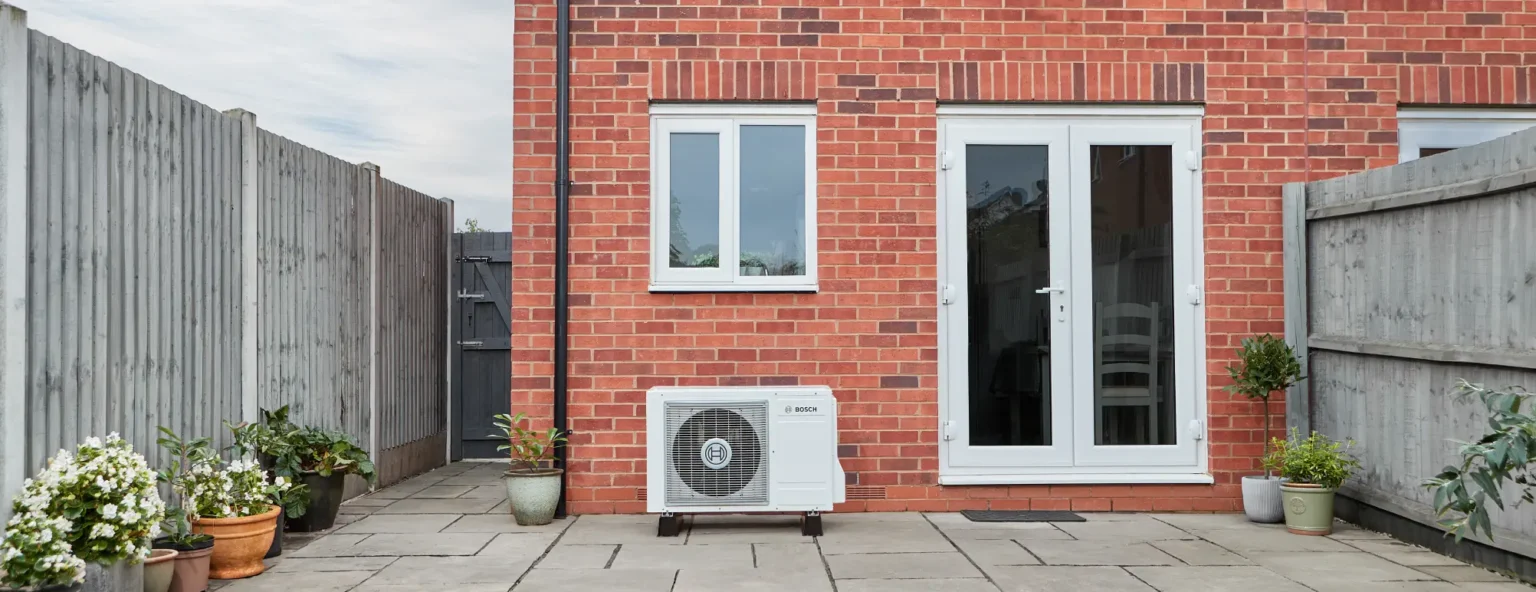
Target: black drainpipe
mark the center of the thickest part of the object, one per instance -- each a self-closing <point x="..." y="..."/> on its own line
<point x="562" y="227"/>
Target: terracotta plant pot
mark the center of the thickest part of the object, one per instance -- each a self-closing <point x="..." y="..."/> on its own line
<point x="533" y="495"/>
<point x="159" y="569"/>
<point x="239" y="543"/>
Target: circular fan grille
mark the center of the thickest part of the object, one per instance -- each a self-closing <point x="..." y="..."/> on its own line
<point x="689" y="445"/>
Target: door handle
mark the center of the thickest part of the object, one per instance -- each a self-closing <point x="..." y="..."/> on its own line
<point x="1051" y="290"/>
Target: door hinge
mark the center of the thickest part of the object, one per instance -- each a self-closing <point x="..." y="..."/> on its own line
<point x="1192" y="160"/>
<point x="1194" y="294"/>
<point x="947" y="294"/>
<point x="949" y="431"/>
<point x="1196" y="429"/>
<point x="946" y="160"/>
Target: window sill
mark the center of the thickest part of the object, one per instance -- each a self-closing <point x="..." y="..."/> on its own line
<point x="709" y="288"/>
<point x="1081" y="479"/>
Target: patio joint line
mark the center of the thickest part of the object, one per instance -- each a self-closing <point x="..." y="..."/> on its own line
<point x="676" y="573"/>
<point x="611" y="556"/>
<point x="754" y="554"/>
<point x="547" y="549"/>
<point x="1133" y="575"/>
<point x="826" y="567"/>
<point x="962" y="552"/>
<point x="1020" y="545"/>
<point x="375" y="574"/>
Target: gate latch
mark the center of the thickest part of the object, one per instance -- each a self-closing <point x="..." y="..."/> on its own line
<point x="471" y="343"/>
<point x="467" y="296"/>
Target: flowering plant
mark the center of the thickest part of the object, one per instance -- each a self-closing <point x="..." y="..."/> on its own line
<point x="35" y="553"/>
<point x="106" y="492"/>
<point x="238" y="490"/>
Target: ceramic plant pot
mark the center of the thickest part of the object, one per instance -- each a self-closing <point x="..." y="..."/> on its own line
<point x="189" y="571"/>
<point x="533" y="495"/>
<point x="277" y="540"/>
<point x="239" y="543"/>
<point x="158" y="570"/>
<point x="1261" y="499"/>
<point x="1308" y="508"/>
<point x="324" y="502"/>
<point x="122" y="576"/>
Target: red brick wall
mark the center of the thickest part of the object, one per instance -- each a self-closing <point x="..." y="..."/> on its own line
<point x="1293" y="90"/>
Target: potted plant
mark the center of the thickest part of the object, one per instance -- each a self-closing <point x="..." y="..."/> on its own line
<point x="1266" y="365"/>
<point x="35" y="554"/>
<point x="1314" y="467"/>
<point x="160" y="569"/>
<point x="107" y="493"/>
<point x="533" y="490"/>
<point x="321" y="461"/>
<point x="189" y="567"/>
<point x="267" y="441"/>
<point x="234" y="506"/>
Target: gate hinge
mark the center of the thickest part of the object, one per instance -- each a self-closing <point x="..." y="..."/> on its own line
<point x="947" y="294"/>
<point x="1194" y="294"/>
<point x="1196" y="429"/>
<point x="1192" y="160"/>
<point x="946" y="160"/>
<point x="949" y="431"/>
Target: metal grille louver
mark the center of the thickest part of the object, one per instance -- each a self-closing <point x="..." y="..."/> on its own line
<point x="742" y="480"/>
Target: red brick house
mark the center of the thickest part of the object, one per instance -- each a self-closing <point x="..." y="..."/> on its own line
<point x="1019" y="239"/>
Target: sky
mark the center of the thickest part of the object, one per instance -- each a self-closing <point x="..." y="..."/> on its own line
<point x="423" y="89"/>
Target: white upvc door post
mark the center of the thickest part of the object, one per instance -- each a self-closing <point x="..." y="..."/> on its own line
<point x="250" y="272"/>
<point x="13" y="253"/>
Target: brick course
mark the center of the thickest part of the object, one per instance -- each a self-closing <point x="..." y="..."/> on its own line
<point x="1293" y="90"/>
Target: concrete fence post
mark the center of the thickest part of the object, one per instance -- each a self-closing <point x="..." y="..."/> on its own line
<point x="373" y="310"/>
<point x="13" y="253"/>
<point x="1298" y="403"/>
<point x="250" y="272"/>
<point x="448" y="262"/>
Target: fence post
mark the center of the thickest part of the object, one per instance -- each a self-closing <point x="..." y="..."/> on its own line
<point x="448" y="319"/>
<point x="373" y="310"/>
<point x="14" y="70"/>
<point x="250" y="302"/>
<point x="1298" y="403"/>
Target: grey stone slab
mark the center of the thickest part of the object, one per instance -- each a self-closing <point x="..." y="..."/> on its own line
<point x="995" y="552"/>
<point x="377" y="545"/>
<point x="788" y="557"/>
<point x="1098" y="553"/>
<point x="606" y="580"/>
<point x="367" y="500"/>
<point x="447" y="573"/>
<point x="329" y="581"/>
<point x="1387" y="587"/>
<point x="857" y="517"/>
<point x="1402" y="553"/>
<point x="399" y="491"/>
<point x="958" y="521"/>
<point x="1268" y="540"/>
<point x="400" y="524"/>
<point x="343" y="520"/>
<point x="1462" y="573"/>
<point x="1066" y="579"/>
<point x="884" y="537"/>
<point x="1200" y="553"/>
<point x="1345" y="531"/>
<point x="578" y="557"/>
<point x="1494" y="587"/>
<point x="442" y="492"/>
<point x="438" y="506"/>
<point x="1133" y="530"/>
<point x="957" y="527"/>
<point x="519" y="545"/>
<point x="1196" y="522"/>
<point x="333" y="545"/>
<point x="1111" y="517"/>
<point x="366" y="587"/>
<point x="616" y="530"/>
<point x="300" y="564"/>
<point x="901" y="566"/>
<point x="714" y="530"/>
<point x="1335" y="568"/>
<point x="357" y="511"/>
<point x="473" y="480"/>
<point x="502" y="523"/>
<point x="725" y="556"/>
<point x="945" y="584"/>
<point x="1215" y="579"/>
<point x="505" y="507"/>
<point x="751" y="580"/>
<point x="487" y="492"/>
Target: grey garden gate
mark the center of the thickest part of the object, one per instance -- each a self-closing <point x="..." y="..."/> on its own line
<point x="483" y="333"/>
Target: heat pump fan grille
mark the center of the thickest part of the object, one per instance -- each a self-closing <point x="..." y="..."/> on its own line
<point x="717" y="455"/>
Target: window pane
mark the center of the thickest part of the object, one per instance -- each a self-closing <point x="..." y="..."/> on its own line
<point x="695" y="183"/>
<point x="772" y="200"/>
<point x="1132" y="296"/>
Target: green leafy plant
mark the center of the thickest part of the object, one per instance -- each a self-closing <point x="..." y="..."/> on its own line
<point x="35" y="553"/>
<point x="292" y="451"/>
<point x="238" y="490"/>
<point x="106" y="492"/>
<point x="1266" y="364"/>
<point x="528" y="448"/>
<point x="1504" y="455"/>
<point x="1314" y="460"/>
<point x="177" y="527"/>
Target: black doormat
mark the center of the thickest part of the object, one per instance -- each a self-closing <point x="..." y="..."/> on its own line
<point x="1021" y="516"/>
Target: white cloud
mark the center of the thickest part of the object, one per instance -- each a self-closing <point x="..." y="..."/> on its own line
<point x="424" y="89"/>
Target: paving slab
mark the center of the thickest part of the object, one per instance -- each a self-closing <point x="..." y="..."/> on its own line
<point x="724" y="556"/>
<point x="617" y="530"/>
<point x="788" y="557"/>
<point x="1388" y="587"/>
<point x="945" y="584"/>
<point x="1133" y="530"/>
<point x="518" y="545"/>
<point x="956" y="526"/>
<point x="883" y="537"/>
<point x="901" y="566"/>
<point x="1098" y="553"/>
<point x="399" y="491"/>
<point x="714" y="530"/>
<point x="352" y="510"/>
<point x="448" y="573"/>
<point x="505" y="507"/>
<point x="1270" y="540"/>
<point x="1345" y="531"/>
<point x="750" y="580"/>
<point x="1200" y="553"/>
<point x="606" y="580"/>
<point x="995" y="552"/>
<point x="438" y="506"/>
<point x="330" y="581"/>
<point x="1066" y="579"/>
<point x="473" y="480"/>
<point x="1462" y="573"/>
<point x="502" y="523"/>
<point x="487" y="492"/>
<point x="442" y="492"/>
<point x="400" y="524"/>
<point x="1195" y="522"/>
<point x="1336" y="568"/>
<point x="366" y="587"/>
<point x="1402" y="553"/>
<point x="401" y="545"/>
<point x="332" y="545"/>
<point x="854" y="517"/>
<point x="578" y="557"/>
<point x="1215" y="579"/>
<point x="1494" y="587"/>
<point x="300" y="564"/>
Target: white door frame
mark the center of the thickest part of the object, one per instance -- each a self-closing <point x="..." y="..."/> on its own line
<point x="1088" y="464"/>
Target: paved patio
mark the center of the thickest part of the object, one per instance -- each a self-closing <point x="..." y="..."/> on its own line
<point x="449" y="530"/>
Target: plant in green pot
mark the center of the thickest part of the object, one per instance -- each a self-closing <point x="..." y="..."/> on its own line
<point x="1266" y="365"/>
<point x="533" y="489"/>
<point x="35" y="555"/>
<point x="1314" y="467"/>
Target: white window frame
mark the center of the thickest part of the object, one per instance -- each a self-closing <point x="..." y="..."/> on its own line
<point x="726" y="120"/>
<point x="1419" y="128"/>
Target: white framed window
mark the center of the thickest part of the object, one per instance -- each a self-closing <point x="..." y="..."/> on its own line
<point x="1426" y="132"/>
<point x="733" y="198"/>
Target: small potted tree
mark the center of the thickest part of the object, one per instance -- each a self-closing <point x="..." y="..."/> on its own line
<point x="1505" y="455"/>
<point x="234" y="506"/>
<point x="533" y="490"/>
<point x="189" y="567"/>
<point x="1314" y="467"/>
<point x="35" y="555"/>
<point x="1266" y="365"/>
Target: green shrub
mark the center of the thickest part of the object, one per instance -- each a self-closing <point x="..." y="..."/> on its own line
<point x="1314" y="460"/>
<point x="1504" y="455"/>
<point x="1266" y="364"/>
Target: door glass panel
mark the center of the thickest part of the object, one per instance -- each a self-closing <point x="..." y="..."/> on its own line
<point x="1132" y="229"/>
<point x="772" y="200"/>
<point x="1008" y="258"/>
<point x="695" y="187"/>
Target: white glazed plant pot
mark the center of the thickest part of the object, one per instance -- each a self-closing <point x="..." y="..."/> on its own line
<point x="1262" y="500"/>
<point x="533" y="495"/>
<point x="122" y="576"/>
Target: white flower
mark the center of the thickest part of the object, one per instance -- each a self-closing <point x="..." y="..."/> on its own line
<point x="109" y="511"/>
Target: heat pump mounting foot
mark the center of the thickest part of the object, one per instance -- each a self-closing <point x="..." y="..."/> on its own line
<point x="810" y="525"/>
<point x="668" y="525"/>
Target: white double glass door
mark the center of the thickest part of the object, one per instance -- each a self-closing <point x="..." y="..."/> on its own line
<point x="1069" y="318"/>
